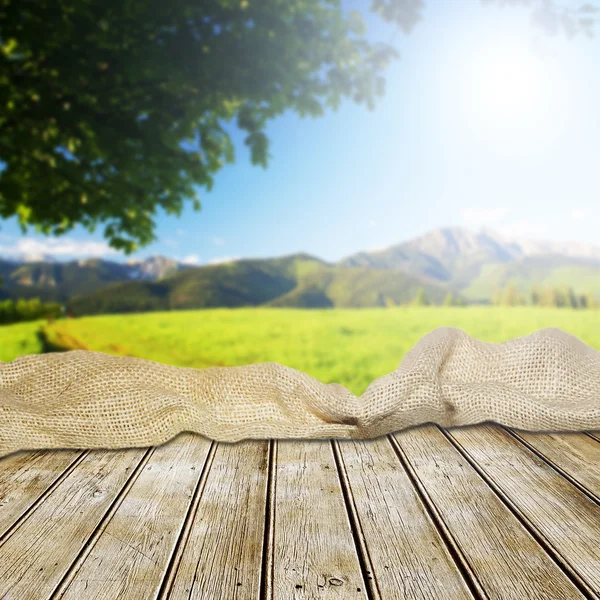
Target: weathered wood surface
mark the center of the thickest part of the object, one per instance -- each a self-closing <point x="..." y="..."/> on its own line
<point x="476" y="512"/>
<point x="26" y="477"/>
<point x="222" y="555"/>
<point x="131" y="554"/>
<point x="565" y="520"/>
<point x="313" y="552"/>
<point x="408" y="556"/>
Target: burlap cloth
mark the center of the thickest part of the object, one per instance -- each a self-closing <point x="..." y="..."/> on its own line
<point x="549" y="380"/>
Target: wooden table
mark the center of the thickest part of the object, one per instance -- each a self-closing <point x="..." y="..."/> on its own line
<point x="477" y="512"/>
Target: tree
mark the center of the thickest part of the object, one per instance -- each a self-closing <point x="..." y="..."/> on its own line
<point x="421" y="298"/>
<point x="562" y="296"/>
<point x="453" y="300"/>
<point x="535" y="294"/>
<point x="114" y="108"/>
<point x="27" y="310"/>
<point x="572" y="299"/>
<point x="549" y="297"/>
<point x="389" y="302"/>
<point x="497" y="297"/>
<point x="512" y="296"/>
<point x="449" y="299"/>
<point x="590" y="300"/>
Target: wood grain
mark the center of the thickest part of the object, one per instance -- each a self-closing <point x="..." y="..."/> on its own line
<point x="425" y="513"/>
<point x="223" y="553"/>
<point x="25" y="477"/>
<point x="314" y="552"/>
<point x="575" y="455"/>
<point x="562" y="517"/>
<point x="505" y="558"/>
<point x="132" y="554"/>
<point x="408" y="555"/>
<point x="36" y="556"/>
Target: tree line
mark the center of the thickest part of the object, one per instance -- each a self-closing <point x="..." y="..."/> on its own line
<point x="451" y="299"/>
<point x="561" y="296"/>
<point x="554" y="296"/>
<point x="12" y="311"/>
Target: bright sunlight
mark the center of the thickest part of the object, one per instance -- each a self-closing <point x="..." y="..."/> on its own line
<point x="510" y="95"/>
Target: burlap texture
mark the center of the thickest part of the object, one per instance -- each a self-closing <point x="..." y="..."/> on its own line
<point x="547" y="381"/>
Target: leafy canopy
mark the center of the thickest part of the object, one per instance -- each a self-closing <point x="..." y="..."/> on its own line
<point x="110" y="109"/>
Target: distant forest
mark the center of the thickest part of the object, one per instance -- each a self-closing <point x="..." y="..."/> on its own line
<point x="558" y="297"/>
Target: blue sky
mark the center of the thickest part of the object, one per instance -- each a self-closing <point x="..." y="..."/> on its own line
<point x="486" y="122"/>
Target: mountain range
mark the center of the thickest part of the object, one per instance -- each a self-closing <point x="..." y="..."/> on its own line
<point x="470" y="264"/>
<point x="474" y="264"/>
<point x="53" y="281"/>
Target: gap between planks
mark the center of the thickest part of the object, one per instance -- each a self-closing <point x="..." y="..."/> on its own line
<point x="462" y="564"/>
<point x="268" y="568"/>
<point x="362" y="550"/>
<point x="91" y="541"/>
<point x="547" y="460"/>
<point x="41" y="498"/>
<point x="173" y="564"/>
<point x="356" y="530"/>
<point x="577" y="580"/>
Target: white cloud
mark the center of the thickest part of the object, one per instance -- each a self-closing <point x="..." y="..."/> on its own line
<point x="217" y="241"/>
<point x="577" y="214"/>
<point x="372" y="224"/>
<point x="223" y="259"/>
<point x="42" y="248"/>
<point x="170" y="242"/>
<point x="191" y="259"/>
<point x="482" y="216"/>
<point x="524" y="229"/>
<point x="377" y="249"/>
<point x="180" y="232"/>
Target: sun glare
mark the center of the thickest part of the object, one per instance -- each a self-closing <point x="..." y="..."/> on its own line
<point x="509" y="94"/>
<point x="507" y="86"/>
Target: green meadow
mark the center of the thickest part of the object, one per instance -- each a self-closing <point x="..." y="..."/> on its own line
<point x="19" y="339"/>
<point x="347" y="346"/>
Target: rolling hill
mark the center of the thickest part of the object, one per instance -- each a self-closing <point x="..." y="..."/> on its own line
<point x="297" y="280"/>
<point x="471" y="264"/>
<point x="60" y="281"/>
<point x="354" y="287"/>
<point x="549" y="270"/>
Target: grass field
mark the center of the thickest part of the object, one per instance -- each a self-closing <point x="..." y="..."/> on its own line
<point x="347" y="346"/>
<point x="19" y="339"/>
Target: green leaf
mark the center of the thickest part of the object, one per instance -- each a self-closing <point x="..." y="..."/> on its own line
<point x="112" y="108"/>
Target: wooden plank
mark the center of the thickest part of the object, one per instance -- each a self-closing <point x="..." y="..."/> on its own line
<point x="503" y="555"/>
<point x="131" y="556"/>
<point x="565" y="520"/>
<point x="408" y="556"/>
<point x="25" y="477"/>
<point x="223" y="554"/>
<point x="575" y="455"/>
<point x="36" y="556"/>
<point x="313" y="552"/>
